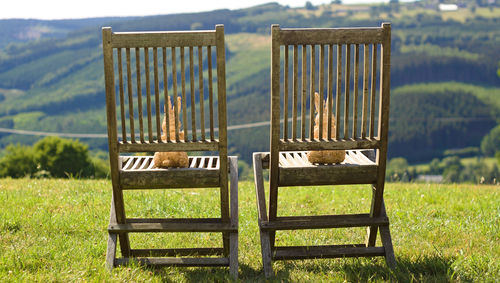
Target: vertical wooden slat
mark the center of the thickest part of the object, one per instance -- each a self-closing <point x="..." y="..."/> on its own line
<point x="304" y="93"/>
<point x="312" y="80"/>
<point x="373" y="90"/>
<point x="347" y="84"/>
<point x="210" y="92"/>
<point x="165" y="93"/>
<point x="330" y="90"/>
<point x="148" y="94"/>
<point x="193" y="105"/>
<point x="321" y="89"/>
<point x="157" y="94"/>
<point x="202" y="97"/>
<point x="139" y="91"/>
<point x="285" y="96"/>
<point x="174" y="88"/>
<point x="130" y="97"/>
<point x="339" y="85"/>
<point x="183" y="102"/>
<point x="355" y="98"/>
<point x="364" y="113"/>
<point x="122" y="97"/>
<point x="295" y="90"/>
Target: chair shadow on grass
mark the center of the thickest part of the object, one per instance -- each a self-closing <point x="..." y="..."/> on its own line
<point x="429" y="268"/>
<point x="434" y="268"/>
<point x="206" y="274"/>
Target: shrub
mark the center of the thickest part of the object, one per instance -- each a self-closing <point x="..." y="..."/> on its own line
<point x="17" y="162"/>
<point x="491" y="142"/>
<point x="63" y="157"/>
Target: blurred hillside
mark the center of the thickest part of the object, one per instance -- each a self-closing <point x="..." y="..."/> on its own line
<point x="445" y="71"/>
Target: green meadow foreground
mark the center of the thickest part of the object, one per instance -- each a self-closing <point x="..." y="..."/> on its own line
<point x="55" y="230"/>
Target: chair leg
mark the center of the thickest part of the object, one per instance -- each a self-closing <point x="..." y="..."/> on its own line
<point x="265" y="243"/>
<point x="372" y="230"/>
<point x="233" y="237"/>
<point x="385" y="236"/>
<point x="111" y="251"/>
<point x="123" y="237"/>
<point x="266" y="254"/>
<point x="233" y="255"/>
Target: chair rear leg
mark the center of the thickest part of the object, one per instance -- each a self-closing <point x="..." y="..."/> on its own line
<point x="372" y="230"/>
<point x="265" y="246"/>
<point x="233" y="237"/>
<point x="123" y="237"/>
<point x="111" y="251"/>
<point x="233" y="255"/>
<point x="385" y="236"/>
<point x="265" y="243"/>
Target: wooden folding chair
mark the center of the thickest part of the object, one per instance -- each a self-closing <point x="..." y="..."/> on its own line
<point x="138" y="56"/>
<point x="361" y="128"/>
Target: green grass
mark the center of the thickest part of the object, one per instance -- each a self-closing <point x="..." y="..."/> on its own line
<point x="55" y="230"/>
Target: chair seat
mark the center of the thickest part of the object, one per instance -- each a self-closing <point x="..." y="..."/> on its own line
<point x="296" y="170"/>
<point x="138" y="172"/>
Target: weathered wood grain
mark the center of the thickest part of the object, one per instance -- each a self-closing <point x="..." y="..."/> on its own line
<point x="323" y="222"/>
<point x="330" y="36"/>
<point x="175" y="252"/>
<point x="162" y="39"/>
<point x="309" y="252"/>
<point x="172" y="227"/>
<point x="175" y="261"/>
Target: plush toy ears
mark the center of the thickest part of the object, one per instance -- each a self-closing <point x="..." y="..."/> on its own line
<point x="316" y="101"/>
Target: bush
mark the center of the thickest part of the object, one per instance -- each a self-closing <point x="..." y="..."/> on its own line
<point x="99" y="168"/>
<point x="491" y="142"/>
<point x="18" y="162"/>
<point x="63" y="157"/>
<point x="398" y="171"/>
<point x="244" y="171"/>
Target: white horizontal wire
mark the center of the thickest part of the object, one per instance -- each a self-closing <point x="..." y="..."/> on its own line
<point x="229" y="128"/>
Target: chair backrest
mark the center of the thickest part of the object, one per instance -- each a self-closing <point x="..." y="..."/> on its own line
<point x="142" y="69"/>
<point x="328" y="61"/>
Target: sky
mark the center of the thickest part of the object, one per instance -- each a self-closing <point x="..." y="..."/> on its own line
<point x="72" y="9"/>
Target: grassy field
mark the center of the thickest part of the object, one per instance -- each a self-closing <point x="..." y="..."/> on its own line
<point x="55" y="230"/>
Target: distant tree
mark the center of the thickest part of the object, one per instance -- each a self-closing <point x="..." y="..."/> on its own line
<point x="491" y="142"/>
<point x="63" y="157"/>
<point x="452" y="169"/>
<point x="338" y="2"/>
<point x="498" y="71"/>
<point x="244" y="171"/>
<point x="17" y="162"/>
<point x="397" y="170"/>
<point x="310" y="6"/>
<point x="435" y="167"/>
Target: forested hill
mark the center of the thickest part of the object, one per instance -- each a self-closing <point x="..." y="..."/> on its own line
<point x="447" y="60"/>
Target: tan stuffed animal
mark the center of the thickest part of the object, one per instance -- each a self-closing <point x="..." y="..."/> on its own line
<point x="324" y="156"/>
<point x="171" y="159"/>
